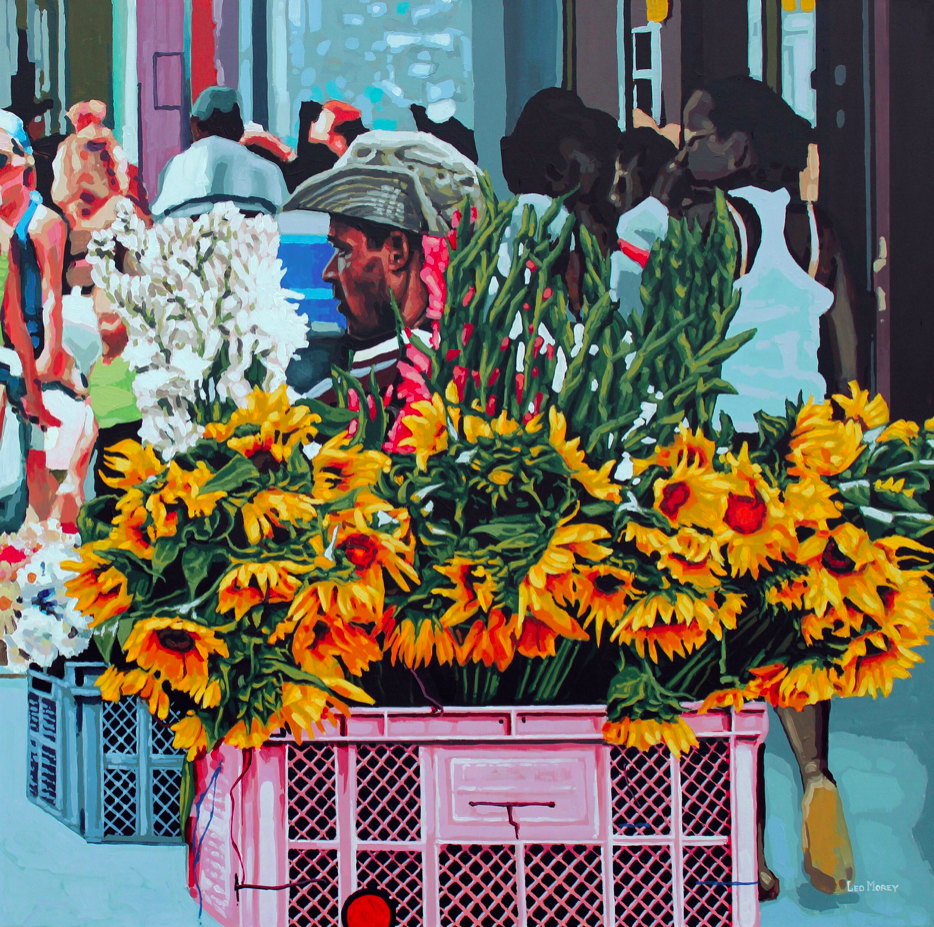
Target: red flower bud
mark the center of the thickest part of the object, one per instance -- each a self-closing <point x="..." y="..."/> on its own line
<point x="532" y="266"/>
<point x="491" y="406"/>
<point x="494" y="376"/>
<point x="547" y="294"/>
<point x="453" y="354"/>
<point x="520" y="385"/>
<point x="466" y="333"/>
<point x="469" y="295"/>
<point x="505" y="345"/>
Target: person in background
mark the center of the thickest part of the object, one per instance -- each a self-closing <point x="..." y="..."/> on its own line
<point x="560" y="147"/>
<point x="379" y="241"/>
<point x="641" y="156"/>
<point x="92" y="175"/>
<point x="217" y="168"/>
<point x="33" y="238"/>
<point x="742" y="138"/>
<point x="451" y="130"/>
<point x="44" y="146"/>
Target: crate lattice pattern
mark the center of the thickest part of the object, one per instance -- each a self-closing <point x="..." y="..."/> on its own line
<point x="312" y="793"/>
<point x="641" y="792"/>
<point x="564" y="885"/>
<point x="120" y="803"/>
<point x="478" y="883"/>
<point x="166" y="784"/>
<point x="707" y="899"/>
<point x="705" y="789"/>
<point x="642" y="882"/>
<point x="121" y="727"/>
<point x="388" y="793"/>
<point x="314" y="900"/>
<point x="477" y="886"/>
<point x="398" y="872"/>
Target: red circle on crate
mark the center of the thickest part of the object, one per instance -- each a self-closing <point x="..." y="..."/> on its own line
<point x="369" y="907"/>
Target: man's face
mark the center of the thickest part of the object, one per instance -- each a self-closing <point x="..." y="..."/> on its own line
<point x="360" y="275"/>
<point x="709" y="157"/>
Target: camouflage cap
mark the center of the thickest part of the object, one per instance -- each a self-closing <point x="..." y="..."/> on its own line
<point x="405" y="180"/>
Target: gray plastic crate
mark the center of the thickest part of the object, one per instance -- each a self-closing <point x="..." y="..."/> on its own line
<point x="107" y="770"/>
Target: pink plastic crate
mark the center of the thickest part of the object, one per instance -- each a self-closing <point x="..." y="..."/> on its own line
<point x="496" y="817"/>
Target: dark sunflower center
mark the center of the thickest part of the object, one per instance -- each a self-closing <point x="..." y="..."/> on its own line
<point x="835" y="560"/>
<point x="608" y="584"/>
<point x="361" y="551"/>
<point x="745" y="514"/>
<point x="175" y="640"/>
<point x="674" y="496"/>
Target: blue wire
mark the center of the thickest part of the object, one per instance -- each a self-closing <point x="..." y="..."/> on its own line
<point x="199" y="843"/>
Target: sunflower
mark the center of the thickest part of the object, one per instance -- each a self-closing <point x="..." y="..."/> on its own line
<point x="190" y="735"/>
<point x="148" y="686"/>
<point x="130" y="531"/>
<point x="689" y="448"/>
<point x="845" y="566"/>
<point x="341" y="467"/>
<point x="596" y="482"/>
<point x="135" y="462"/>
<point x="569" y="542"/>
<point x="178" y="650"/>
<point x="416" y="645"/>
<point x="893" y="486"/>
<point x="185" y="487"/>
<point x="676" y="622"/>
<point x="430" y="428"/>
<point x="491" y="641"/>
<point x="690" y="556"/>
<point x="756" y="528"/>
<point x="474" y="589"/>
<point x="872" y="414"/>
<point x="806" y="683"/>
<point x="603" y="591"/>
<point x="275" y="508"/>
<point x="281" y="426"/>
<point x="843" y="621"/>
<point x="693" y="495"/>
<point x="810" y="504"/>
<point x="536" y="639"/>
<point x="315" y="641"/>
<point x="900" y="431"/>
<point x="549" y="606"/>
<point x="821" y="446"/>
<point x="99" y="589"/>
<point x="724" y="698"/>
<point x="502" y="425"/>
<point x="645" y="733"/>
<point x="248" y="585"/>
<point x="254" y="736"/>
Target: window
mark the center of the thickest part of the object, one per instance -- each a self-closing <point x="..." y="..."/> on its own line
<point x="647" y="69"/>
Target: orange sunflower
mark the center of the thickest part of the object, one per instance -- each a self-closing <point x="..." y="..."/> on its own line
<point x="178" y="651"/>
<point x="690" y="449"/>
<point x="490" y="641"/>
<point x="690" y="556"/>
<point x="134" y="462"/>
<point x="597" y="482"/>
<point x="645" y="733"/>
<point x="190" y="735"/>
<point x="756" y="529"/>
<point x="275" y="508"/>
<point x="416" y="644"/>
<point x="603" y="591"/>
<point x="99" y="589"/>
<point x="474" y="589"/>
<point x="280" y="426"/>
<point x="248" y="585"/>
<point x="857" y="406"/>
<point x="429" y="428"/>
<point x="821" y="446"/>
<point x="693" y="495"/>
<point x="148" y="686"/>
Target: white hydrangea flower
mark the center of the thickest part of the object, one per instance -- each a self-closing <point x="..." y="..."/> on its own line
<point x="207" y="302"/>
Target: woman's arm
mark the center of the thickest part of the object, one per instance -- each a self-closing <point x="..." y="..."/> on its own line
<point x="49" y="235"/>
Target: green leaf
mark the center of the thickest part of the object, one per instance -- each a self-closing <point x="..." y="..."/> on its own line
<point x="231" y="476"/>
<point x="124" y="627"/>
<point x="165" y="553"/>
<point x="104" y="637"/>
<point x="197" y="562"/>
<point x="95" y="518"/>
<point x="186" y="794"/>
<point x="627" y="688"/>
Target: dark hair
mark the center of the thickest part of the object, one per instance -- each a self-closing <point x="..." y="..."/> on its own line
<point x="780" y="137"/>
<point x="533" y="159"/>
<point x="223" y="125"/>
<point x="651" y="149"/>
<point x="452" y="131"/>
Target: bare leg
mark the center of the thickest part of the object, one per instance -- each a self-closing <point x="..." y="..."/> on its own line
<point x="828" y="854"/>
<point x="768" y="881"/>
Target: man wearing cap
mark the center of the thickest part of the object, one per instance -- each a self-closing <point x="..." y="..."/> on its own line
<point x="217" y="168"/>
<point x="385" y="193"/>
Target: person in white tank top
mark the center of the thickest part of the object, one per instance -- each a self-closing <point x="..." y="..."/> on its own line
<point x="742" y="138"/>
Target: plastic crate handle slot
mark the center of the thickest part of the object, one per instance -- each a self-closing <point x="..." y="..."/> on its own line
<point x="243" y="886"/>
<point x="509" y="806"/>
